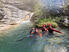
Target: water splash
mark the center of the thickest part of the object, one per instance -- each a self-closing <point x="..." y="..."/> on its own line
<point x="29" y="17"/>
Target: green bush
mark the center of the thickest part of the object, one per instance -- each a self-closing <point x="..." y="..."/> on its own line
<point x="42" y="21"/>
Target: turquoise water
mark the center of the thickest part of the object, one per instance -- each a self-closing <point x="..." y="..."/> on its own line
<point x="9" y="43"/>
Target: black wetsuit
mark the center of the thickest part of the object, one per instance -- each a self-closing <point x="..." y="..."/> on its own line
<point x="50" y="31"/>
<point x="43" y="30"/>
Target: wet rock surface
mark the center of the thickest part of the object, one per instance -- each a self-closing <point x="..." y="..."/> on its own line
<point x="10" y="14"/>
<point x="21" y="4"/>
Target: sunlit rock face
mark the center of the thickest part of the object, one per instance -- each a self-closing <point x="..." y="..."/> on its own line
<point x="21" y="4"/>
<point x="11" y="13"/>
<point x="12" y="1"/>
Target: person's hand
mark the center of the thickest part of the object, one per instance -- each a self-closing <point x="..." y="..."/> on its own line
<point x="62" y="33"/>
<point x="32" y="32"/>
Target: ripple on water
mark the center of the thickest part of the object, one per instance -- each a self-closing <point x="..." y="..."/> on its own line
<point x="50" y="48"/>
<point x="9" y="43"/>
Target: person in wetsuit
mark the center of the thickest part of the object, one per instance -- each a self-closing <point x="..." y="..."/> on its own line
<point x="44" y="29"/>
<point x="51" y="30"/>
<point x="35" y="31"/>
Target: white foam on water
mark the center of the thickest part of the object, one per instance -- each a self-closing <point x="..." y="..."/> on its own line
<point x="28" y="21"/>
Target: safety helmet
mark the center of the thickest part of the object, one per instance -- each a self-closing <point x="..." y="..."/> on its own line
<point x="44" y="25"/>
<point x="50" y="25"/>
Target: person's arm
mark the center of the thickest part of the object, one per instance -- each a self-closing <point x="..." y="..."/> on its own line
<point x="40" y="34"/>
<point x="47" y="28"/>
<point x="31" y="31"/>
<point x="56" y="30"/>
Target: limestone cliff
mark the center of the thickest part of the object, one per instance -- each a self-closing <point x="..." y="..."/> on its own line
<point x="14" y="12"/>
